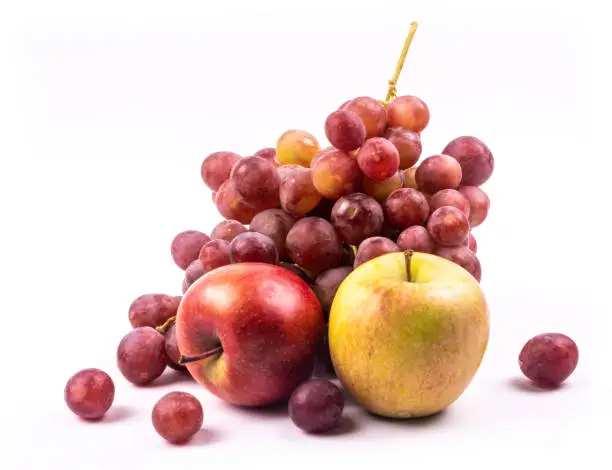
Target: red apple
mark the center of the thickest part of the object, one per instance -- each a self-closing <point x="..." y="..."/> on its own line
<point x="249" y="332"/>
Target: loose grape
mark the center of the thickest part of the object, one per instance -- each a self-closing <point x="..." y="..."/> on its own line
<point x="374" y="247"/>
<point x="275" y="223"/>
<point x="549" y="359"/>
<point x="345" y="130"/>
<point x="152" y="309"/>
<point x="462" y="256"/>
<point x="314" y="245"/>
<point x="214" y="254"/>
<point x="336" y="174"/>
<point x="326" y="285"/>
<point x="256" y="181"/>
<point x="438" y="172"/>
<point x="448" y="226"/>
<point x="186" y="246"/>
<point x="268" y="154"/>
<point x="172" y="349"/>
<point x="298" y="195"/>
<point x="449" y="197"/>
<point x="357" y="217"/>
<point x="416" y="238"/>
<point x="479" y="204"/>
<point x="406" y="207"/>
<point x="316" y="406"/>
<point x="227" y="230"/>
<point x="141" y="355"/>
<point x="371" y="112"/>
<point x="474" y="157"/>
<point x="380" y="190"/>
<point x="409" y="112"/>
<point x="253" y="247"/>
<point x="472" y="245"/>
<point x="296" y="147"/>
<point x="177" y="417"/>
<point x="89" y="393"/>
<point x="231" y="206"/>
<point x="216" y="168"/>
<point x="408" y="145"/>
<point x="410" y="178"/>
<point x="378" y="159"/>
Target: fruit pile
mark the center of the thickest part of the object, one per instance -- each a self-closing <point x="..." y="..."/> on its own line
<point x="299" y="219"/>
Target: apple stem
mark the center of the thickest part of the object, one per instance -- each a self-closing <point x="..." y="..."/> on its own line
<point x="391" y="93"/>
<point x="199" y="357"/>
<point x="166" y="326"/>
<point x="408" y="257"/>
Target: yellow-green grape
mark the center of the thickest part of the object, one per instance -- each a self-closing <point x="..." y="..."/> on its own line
<point x="296" y="147"/>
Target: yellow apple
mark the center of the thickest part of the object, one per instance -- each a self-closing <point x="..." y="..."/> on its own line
<point x="407" y="333"/>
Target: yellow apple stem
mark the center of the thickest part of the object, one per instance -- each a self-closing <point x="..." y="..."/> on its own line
<point x="166" y="326"/>
<point x="391" y="93"/>
<point x="408" y="257"/>
<point x="199" y="357"/>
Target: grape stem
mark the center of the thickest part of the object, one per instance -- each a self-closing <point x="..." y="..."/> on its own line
<point x="392" y="92"/>
<point x="199" y="357"/>
<point x="408" y="258"/>
<point x="166" y="326"/>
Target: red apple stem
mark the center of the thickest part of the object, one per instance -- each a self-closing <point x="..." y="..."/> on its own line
<point x="408" y="258"/>
<point x="166" y="326"/>
<point x="391" y="93"/>
<point x="199" y="357"/>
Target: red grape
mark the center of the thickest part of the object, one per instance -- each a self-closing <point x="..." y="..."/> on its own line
<point x="216" y="168"/>
<point x="314" y="245"/>
<point x="89" y="393"/>
<point x="336" y="174"/>
<point x="269" y="154"/>
<point x="256" y="181"/>
<point x="231" y="206"/>
<point x="357" y="217"/>
<point x="406" y="207"/>
<point x="371" y="112"/>
<point x="214" y="254"/>
<point x="193" y="272"/>
<point x="374" y="247"/>
<point x="449" y="197"/>
<point x="186" y="246"/>
<point x="316" y="406"/>
<point x="177" y="417"/>
<point x="345" y="130"/>
<point x="320" y="154"/>
<point x="548" y="359"/>
<point x="472" y="245"/>
<point x="410" y="178"/>
<point x="474" y="157"/>
<point x="438" y="172"/>
<point x="275" y="223"/>
<point x="326" y="285"/>
<point x="172" y="349"/>
<point x="253" y="247"/>
<point x="407" y="143"/>
<point x="378" y="159"/>
<point x="298" y="195"/>
<point x="296" y="147"/>
<point x="409" y="112"/>
<point x="227" y="230"/>
<point x="380" y="190"/>
<point x="416" y="238"/>
<point x="184" y="285"/>
<point x="479" y="204"/>
<point x="141" y="355"/>
<point x="462" y="256"/>
<point x="153" y="309"/>
<point x="448" y="226"/>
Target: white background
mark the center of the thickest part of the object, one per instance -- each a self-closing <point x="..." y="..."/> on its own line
<point x="107" y="110"/>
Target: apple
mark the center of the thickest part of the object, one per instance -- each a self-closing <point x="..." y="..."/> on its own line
<point x="407" y="333"/>
<point x="249" y="332"/>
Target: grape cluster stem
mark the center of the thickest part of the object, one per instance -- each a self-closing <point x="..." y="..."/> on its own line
<point x="392" y="92"/>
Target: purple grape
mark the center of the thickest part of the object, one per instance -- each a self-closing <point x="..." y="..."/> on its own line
<point x="253" y="247"/>
<point x="89" y="393"/>
<point x="141" y="355"/>
<point x="548" y="359"/>
<point x="316" y="406"/>
<point x="177" y="417"/>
